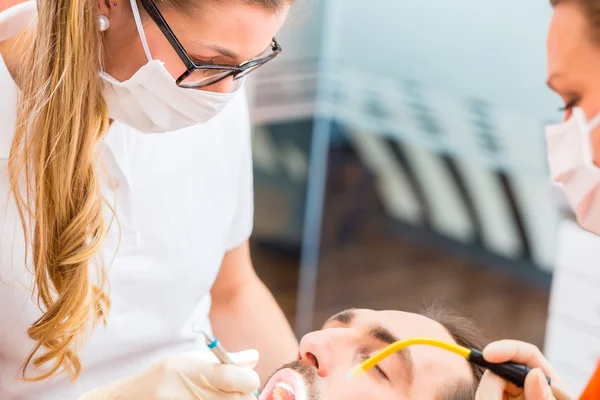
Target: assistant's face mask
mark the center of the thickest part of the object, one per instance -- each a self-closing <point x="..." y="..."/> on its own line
<point x="151" y="102"/>
<point x="572" y="166"/>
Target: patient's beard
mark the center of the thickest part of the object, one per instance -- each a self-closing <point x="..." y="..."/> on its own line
<point x="308" y="374"/>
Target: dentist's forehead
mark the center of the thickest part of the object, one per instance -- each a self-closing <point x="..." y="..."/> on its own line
<point x="566" y="39"/>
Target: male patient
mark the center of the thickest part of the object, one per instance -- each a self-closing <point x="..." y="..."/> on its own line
<point x="350" y="337"/>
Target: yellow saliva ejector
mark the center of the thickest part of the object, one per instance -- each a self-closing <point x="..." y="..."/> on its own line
<point x="512" y="372"/>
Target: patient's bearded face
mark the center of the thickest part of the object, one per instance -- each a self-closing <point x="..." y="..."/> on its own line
<point x="347" y="339"/>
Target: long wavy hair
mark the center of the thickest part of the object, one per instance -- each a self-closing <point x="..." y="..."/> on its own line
<point x="54" y="177"/>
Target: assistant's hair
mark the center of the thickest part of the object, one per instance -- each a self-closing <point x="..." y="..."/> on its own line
<point x="465" y="334"/>
<point x="54" y="177"/>
<point x="592" y="10"/>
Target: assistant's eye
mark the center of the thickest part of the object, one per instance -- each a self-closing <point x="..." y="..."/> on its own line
<point x="569" y="106"/>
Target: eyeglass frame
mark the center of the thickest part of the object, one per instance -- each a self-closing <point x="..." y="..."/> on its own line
<point x="191" y="65"/>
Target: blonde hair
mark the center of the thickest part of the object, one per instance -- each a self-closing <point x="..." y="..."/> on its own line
<point x="61" y="117"/>
<point x="53" y="171"/>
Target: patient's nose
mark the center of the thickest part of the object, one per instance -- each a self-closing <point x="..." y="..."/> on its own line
<point x="327" y="348"/>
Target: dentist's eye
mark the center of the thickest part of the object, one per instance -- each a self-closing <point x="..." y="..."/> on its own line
<point x="569" y="106"/>
<point x="202" y="60"/>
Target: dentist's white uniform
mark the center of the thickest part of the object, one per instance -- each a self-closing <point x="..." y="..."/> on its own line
<point x="183" y="199"/>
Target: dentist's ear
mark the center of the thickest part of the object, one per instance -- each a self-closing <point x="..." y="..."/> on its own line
<point x="103" y="15"/>
<point x="120" y="19"/>
<point x="105" y="7"/>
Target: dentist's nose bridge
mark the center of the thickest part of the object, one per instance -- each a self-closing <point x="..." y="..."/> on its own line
<point x="224" y="86"/>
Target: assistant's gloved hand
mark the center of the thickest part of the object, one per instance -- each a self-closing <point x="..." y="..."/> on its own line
<point x="189" y="376"/>
<point x="492" y="387"/>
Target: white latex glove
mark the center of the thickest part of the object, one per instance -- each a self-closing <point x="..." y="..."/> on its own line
<point x="189" y="376"/>
<point x="492" y="387"/>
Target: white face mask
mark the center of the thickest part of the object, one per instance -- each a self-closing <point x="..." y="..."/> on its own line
<point x="572" y="166"/>
<point x="151" y="102"/>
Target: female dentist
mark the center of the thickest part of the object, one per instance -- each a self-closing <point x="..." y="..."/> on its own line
<point x="574" y="157"/>
<point x="126" y="186"/>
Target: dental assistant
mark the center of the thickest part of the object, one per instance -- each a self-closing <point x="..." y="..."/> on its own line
<point x="574" y="159"/>
<point x="126" y="199"/>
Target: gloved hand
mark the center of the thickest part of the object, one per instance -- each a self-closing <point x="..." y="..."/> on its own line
<point x="492" y="387"/>
<point x="189" y="376"/>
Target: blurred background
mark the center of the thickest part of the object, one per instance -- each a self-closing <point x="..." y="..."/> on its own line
<point x="400" y="159"/>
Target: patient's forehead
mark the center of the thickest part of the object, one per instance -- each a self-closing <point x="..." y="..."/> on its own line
<point x="403" y="324"/>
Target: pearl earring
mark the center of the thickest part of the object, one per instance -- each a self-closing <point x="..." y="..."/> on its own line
<point x="103" y="23"/>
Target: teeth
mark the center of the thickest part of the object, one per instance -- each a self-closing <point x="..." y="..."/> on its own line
<point x="286" y="387"/>
<point x="283" y="391"/>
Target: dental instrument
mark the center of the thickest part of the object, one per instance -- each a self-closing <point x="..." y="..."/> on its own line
<point x="512" y="372"/>
<point x="219" y="351"/>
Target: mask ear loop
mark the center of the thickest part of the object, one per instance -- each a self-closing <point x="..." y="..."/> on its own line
<point x="140" y="28"/>
<point x="587" y="140"/>
<point x="593" y="124"/>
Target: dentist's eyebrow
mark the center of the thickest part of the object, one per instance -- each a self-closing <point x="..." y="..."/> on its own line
<point x="225" y="52"/>
<point x="229" y="53"/>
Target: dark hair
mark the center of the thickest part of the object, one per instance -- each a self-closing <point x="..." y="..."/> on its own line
<point x="466" y="334"/>
<point x="591" y="8"/>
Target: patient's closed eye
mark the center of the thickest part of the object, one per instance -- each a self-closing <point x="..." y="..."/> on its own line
<point x="376" y="368"/>
<point x="380" y="372"/>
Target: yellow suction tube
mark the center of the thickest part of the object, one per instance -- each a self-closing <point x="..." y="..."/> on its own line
<point x="403" y="344"/>
<point x="468" y="354"/>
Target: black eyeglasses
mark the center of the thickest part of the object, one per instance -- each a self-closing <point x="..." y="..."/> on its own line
<point x="198" y="75"/>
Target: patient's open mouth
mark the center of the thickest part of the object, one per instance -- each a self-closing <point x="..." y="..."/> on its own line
<point x="284" y="385"/>
<point x="283" y="391"/>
